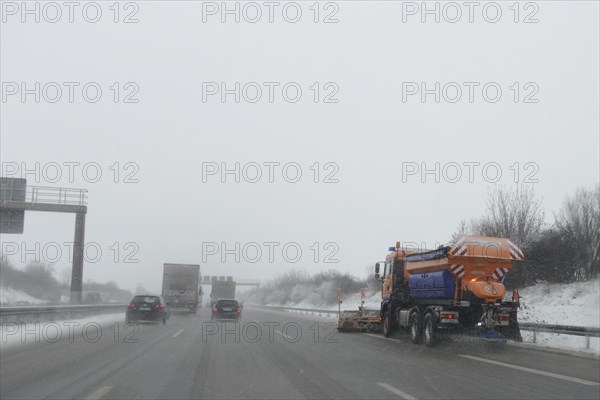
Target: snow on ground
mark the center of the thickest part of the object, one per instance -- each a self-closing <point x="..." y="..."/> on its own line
<point x="9" y="296"/>
<point x="576" y="304"/>
<point x="90" y="329"/>
<point x="350" y="302"/>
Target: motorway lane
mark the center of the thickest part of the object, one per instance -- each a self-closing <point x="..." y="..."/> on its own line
<point x="359" y="360"/>
<point x="158" y="361"/>
<point x="191" y="357"/>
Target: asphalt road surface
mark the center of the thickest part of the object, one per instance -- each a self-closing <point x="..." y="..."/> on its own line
<point x="276" y="355"/>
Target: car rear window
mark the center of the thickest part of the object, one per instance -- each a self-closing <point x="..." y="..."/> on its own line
<point x="146" y="299"/>
<point x="227" y="303"/>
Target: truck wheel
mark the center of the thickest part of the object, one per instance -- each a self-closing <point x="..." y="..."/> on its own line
<point x="415" y="328"/>
<point x="387" y="325"/>
<point x="429" y="330"/>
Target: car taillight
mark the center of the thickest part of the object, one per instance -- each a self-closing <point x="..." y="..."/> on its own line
<point x="130" y="306"/>
<point x="215" y="309"/>
<point x="503" y="318"/>
<point x="160" y="306"/>
<point x="447" y="316"/>
<point x="239" y="309"/>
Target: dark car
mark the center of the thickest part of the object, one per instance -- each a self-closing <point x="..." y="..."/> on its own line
<point x="147" y="308"/>
<point x="226" y="309"/>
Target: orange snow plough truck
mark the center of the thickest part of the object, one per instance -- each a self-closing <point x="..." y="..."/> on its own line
<point x="455" y="288"/>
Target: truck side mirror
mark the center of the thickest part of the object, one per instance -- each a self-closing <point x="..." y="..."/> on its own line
<point x="377" y="268"/>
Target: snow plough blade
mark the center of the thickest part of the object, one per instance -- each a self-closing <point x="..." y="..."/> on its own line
<point x="362" y="320"/>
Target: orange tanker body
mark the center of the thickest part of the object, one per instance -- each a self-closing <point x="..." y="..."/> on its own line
<point x="457" y="287"/>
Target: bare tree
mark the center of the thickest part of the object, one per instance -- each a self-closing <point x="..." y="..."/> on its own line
<point x="112" y="285"/>
<point x="41" y="282"/>
<point x="65" y="277"/>
<point x="462" y="230"/>
<point x="6" y="268"/>
<point x="579" y="223"/>
<point x="515" y="214"/>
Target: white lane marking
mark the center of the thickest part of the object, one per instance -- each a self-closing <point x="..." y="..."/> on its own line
<point x="286" y="336"/>
<point x="177" y="333"/>
<point x="99" y="393"/>
<point x="398" y="392"/>
<point x="533" y="371"/>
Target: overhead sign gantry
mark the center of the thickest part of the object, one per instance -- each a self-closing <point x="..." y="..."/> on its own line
<point x="16" y="198"/>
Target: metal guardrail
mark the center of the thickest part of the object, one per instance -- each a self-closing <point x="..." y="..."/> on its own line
<point x="536" y="328"/>
<point x="562" y="329"/>
<point x="62" y="309"/>
<point x="307" y="310"/>
<point x="585" y="331"/>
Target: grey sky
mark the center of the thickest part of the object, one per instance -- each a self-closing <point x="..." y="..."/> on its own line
<point x="368" y="134"/>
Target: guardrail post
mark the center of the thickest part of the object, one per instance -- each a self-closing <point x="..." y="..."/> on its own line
<point x="534" y="335"/>
<point x="587" y="342"/>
